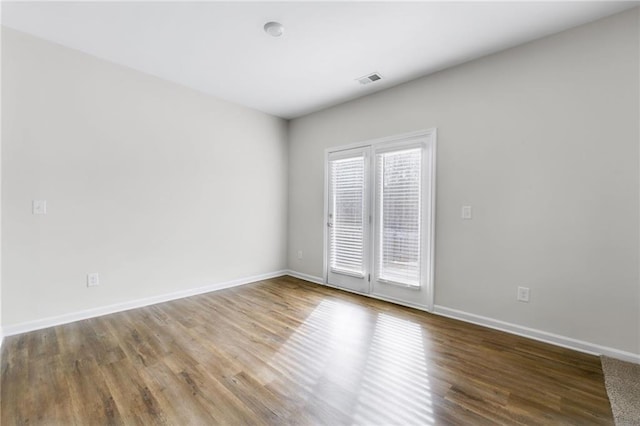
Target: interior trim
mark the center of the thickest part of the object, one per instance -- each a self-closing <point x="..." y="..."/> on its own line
<point x="25" y="327"/>
<point x="530" y="333"/>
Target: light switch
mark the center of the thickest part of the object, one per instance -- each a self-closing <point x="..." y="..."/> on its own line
<point x="466" y="212"/>
<point x="39" y="206"/>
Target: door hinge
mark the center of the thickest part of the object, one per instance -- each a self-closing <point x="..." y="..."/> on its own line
<point x="369" y="278"/>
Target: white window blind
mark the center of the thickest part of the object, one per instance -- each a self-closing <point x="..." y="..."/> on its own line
<point x="398" y="206"/>
<point x="347" y="215"/>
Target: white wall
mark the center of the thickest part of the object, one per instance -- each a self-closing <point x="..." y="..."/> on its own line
<point x="542" y="141"/>
<point x="155" y="186"/>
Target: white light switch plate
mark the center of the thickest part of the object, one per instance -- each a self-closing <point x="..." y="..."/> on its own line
<point x="39" y="206"/>
<point x="466" y="212"/>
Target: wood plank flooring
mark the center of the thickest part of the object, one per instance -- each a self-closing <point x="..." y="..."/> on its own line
<point x="284" y="351"/>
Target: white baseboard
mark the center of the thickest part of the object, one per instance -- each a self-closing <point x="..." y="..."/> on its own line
<point x="306" y="277"/>
<point x="531" y="333"/>
<point x="519" y="330"/>
<point x="25" y="327"/>
<point x="543" y="336"/>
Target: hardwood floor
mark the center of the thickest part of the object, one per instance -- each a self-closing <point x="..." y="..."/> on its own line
<point x="284" y="351"/>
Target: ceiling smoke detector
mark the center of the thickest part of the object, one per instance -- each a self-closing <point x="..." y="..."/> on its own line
<point x="369" y="78"/>
<point x="274" y="29"/>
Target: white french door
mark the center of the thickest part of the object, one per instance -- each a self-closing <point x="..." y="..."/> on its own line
<point x="380" y="218"/>
<point x="348" y="219"/>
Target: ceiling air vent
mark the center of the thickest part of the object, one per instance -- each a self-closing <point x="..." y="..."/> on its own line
<point x="370" y="78"/>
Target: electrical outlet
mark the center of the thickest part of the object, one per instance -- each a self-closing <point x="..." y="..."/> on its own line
<point x="39" y="207"/>
<point x="299" y="254"/>
<point x="93" y="279"/>
<point x="523" y="294"/>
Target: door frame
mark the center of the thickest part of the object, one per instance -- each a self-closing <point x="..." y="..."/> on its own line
<point x="430" y="138"/>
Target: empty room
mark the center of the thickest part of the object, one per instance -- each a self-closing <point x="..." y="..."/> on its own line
<point x="320" y="213"/>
